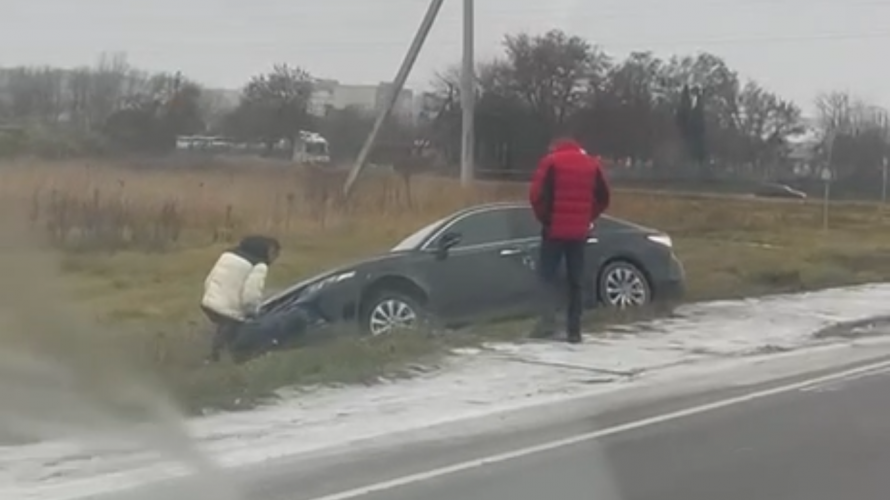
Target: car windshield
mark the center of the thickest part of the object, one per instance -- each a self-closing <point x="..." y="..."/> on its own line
<point x="413" y="241"/>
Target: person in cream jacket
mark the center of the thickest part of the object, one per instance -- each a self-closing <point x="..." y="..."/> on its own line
<point x="234" y="288"/>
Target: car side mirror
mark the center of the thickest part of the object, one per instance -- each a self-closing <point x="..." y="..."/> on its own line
<point x="446" y="243"/>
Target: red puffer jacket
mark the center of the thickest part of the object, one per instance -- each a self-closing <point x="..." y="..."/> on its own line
<point x="568" y="192"/>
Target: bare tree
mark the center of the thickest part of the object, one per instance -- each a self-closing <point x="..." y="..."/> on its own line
<point x="110" y="84"/>
<point x="835" y="111"/>
<point x="854" y="135"/>
<point x="765" y="122"/>
<point x="274" y="106"/>
<point x="553" y="73"/>
<point x="630" y="116"/>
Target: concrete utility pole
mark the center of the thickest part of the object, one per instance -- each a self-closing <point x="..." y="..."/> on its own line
<point x="827" y="176"/>
<point x="398" y="84"/>
<point x="468" y="97"/>
<point x="884" y="165"/>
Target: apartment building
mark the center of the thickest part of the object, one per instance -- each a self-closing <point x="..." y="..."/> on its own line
<point x="331" y="94"/>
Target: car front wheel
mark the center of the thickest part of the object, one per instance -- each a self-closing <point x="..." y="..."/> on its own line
<point x="391" y="311"/>
<point x="623" y="285"/>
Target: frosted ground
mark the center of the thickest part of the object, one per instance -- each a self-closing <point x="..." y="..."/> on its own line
<point x="472" y="383"/>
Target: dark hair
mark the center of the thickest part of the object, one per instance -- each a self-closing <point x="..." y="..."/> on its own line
<point x="257" y="249"/>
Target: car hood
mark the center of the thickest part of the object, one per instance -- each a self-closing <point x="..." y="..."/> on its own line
<point x="622" y="225"/>
<point x="303" y="284"/>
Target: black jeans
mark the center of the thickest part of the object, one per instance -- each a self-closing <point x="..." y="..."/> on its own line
<point x="552" y="254"/>
<point x="226" y="329"/>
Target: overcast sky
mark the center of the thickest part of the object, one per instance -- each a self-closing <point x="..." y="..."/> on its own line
<point x="796" y="47"/>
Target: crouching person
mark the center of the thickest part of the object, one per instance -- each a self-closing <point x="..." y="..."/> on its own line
<point x="234" y="288"/>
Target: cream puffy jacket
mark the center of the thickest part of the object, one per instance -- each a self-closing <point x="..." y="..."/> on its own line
<point x="234" y="287"/>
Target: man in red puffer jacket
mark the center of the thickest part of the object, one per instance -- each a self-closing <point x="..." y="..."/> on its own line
<point x="568" y="193"/>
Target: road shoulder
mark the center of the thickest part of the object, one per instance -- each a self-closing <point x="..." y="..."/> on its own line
<point x="360" y="464"/>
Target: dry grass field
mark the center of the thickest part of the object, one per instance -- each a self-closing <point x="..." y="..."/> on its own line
<point x="133" y="243"/>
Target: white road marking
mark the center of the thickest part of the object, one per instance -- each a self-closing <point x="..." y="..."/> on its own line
<point x="638" y="424"/>
<point x="836" y="385"/>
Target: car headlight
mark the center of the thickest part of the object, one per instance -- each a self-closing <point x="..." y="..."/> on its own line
<point x="661" y="239"/>
<point x="337" y="278"/>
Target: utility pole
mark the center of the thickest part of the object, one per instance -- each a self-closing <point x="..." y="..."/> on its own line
<point x="398" y="84"/>
<point x="468" y="97"/>
<point x="826" y="197"/>
<point x="884" y="176"/>
<point x="827" y="176"/>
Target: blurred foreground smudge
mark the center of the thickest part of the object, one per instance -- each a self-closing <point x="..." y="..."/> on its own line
<point x="63" y="377"/>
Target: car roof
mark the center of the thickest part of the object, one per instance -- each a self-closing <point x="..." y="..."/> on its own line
<point x="482" y="207"/>
<point x="502" y="205"/>
<point x="607" y="220"/>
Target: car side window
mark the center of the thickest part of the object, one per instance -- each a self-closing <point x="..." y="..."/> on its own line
<point x="490" y="226"/>
<point x="523" y="224"/>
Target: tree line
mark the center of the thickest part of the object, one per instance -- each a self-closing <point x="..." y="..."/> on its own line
<point x="93" y="110"/>
<point x="682" y="115"/>
<point x="115" y="108"/>
<point x="685" y="115"/>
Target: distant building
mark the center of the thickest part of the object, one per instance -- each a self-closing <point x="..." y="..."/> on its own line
<point x="803" y="150"/>
<point x="331" y="94"/>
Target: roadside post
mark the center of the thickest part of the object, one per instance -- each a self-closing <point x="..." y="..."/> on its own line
<point x="826" y="178"/>
<point x="884" y="185"/>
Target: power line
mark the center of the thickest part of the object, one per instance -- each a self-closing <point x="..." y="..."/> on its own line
<point x="763" y="40"/>
<point x="635" y="9"/>
<point x="624" y="12"/>
<point x="637" y="42"/>
<point x="637" y="3"/>
<point x="632" y="8"/>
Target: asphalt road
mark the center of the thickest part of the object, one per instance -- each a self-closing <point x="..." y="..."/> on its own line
<point x="818" y="435"/>
<point x="828" y="442"/>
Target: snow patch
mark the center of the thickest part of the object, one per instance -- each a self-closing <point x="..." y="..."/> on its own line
<point x="725" y="328"/>
<point x="475" y="382"/>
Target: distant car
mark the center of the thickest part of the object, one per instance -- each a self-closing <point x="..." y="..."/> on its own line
<point x="478" y="264"/>
<point x="780" y="191"/>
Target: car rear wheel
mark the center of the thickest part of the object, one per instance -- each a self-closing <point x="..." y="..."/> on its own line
<point x="391" y="311"/>
<point x="623" y="285"/>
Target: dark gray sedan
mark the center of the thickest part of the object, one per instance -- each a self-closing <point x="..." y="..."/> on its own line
<point x="479" y="264"/>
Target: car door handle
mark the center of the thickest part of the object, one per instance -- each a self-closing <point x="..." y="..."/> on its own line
<point x="509" y="252"/>
<point x="593" y="239"/>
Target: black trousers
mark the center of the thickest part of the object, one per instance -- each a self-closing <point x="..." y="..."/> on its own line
<point x="553" y="253"/>
<point x="225" y="331"/>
